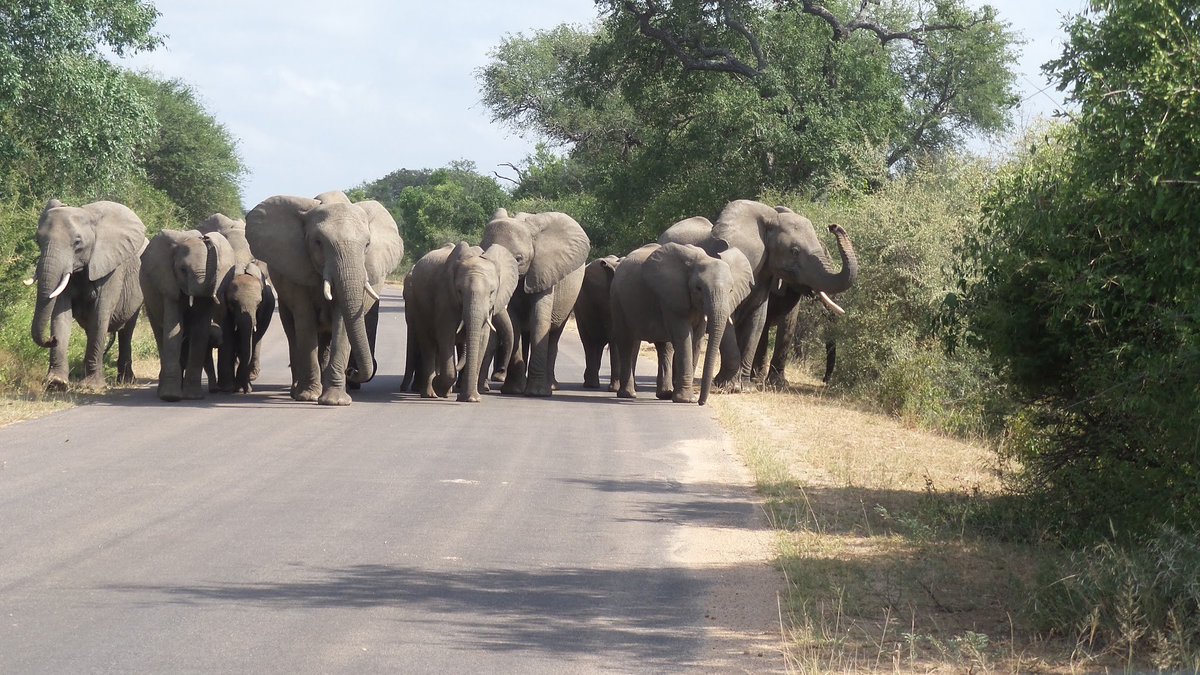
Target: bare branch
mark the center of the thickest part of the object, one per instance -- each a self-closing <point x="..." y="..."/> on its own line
<point x="843" y="30"/>
<point x="716" y="59"/>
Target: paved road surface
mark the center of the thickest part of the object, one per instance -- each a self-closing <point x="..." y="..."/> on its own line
<point x="258" y="534"/>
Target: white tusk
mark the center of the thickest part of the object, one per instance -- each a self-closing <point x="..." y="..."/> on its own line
<point x="328" y="291"/>
<point x="190" y="300"/>
<point x="62" y="285"/>
<point x="460" y="327"/>
<point x="371" y="291"/>
<point x="833" y="306"/>
<point x="490" y="324"/>
<point x="28" y="282"/>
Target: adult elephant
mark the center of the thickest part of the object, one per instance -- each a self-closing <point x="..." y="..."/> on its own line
<point x="183" y="278"/>
<point x="456" y="294"/>
<point x="246" y="312"/>
<point x="668" y="294"/>
<point x="781" y="246"/>
<point x="87" y="269"/>
<point x="550" y="249"/>
<point x="593" y="318"/>
<point x="326" y="257"/>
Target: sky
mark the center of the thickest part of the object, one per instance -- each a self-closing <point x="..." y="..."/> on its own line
<point x="328" y="95"/>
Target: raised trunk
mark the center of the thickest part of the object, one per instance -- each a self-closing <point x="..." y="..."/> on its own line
<point x="50" y="273"/>
<point x="837" y="282"/>
<point x="718" y="318"/>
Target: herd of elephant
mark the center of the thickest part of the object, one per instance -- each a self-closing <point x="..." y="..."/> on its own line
<point x="505" y="301"/>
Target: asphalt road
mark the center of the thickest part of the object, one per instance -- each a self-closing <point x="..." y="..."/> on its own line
<point x="252" y="533"/>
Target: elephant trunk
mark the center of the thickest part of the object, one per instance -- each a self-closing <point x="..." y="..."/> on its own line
<point x="717" y="312"/>
<point x="837" y="282"/>
<point x="476" y="313"/>
<point x="52" y="277"/>
<point x="244" y="323"/>
<point x="348" y="276"/>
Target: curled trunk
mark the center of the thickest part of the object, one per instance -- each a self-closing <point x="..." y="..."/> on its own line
<point x="837" y="282"/>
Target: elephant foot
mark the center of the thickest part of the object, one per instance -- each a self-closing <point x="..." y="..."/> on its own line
<point x="170" y="392"/>
<point x="125" y="377"/>
<point x="334" y="396"/>
<point x="254" y="372"/>
<point x="468" y="397"/>
<point x="307" y="394"/>
<point x="775" y="380"/>
<point x="245" y="388"/>
<point x="591" y="381"/>
<point x="665" y="395"/>
<point x="499" y="375"/>
<point x="625" y="393"/>
<point x="193" y="393"/>
<point x="56" y="382"/>
<point x="538" y="389"/>
<point x="683" y="397"/>
<point x="513" y="385"/>
<point x="615" y="385"/>
<point x="92" y="383"/>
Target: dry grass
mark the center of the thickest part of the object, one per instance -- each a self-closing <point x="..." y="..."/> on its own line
<point x="883" y="568"/>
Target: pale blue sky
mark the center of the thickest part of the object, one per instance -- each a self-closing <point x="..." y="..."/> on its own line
<point x="325" y="95"/>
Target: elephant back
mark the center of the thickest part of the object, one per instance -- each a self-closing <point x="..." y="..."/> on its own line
<point x="275" y="231"/>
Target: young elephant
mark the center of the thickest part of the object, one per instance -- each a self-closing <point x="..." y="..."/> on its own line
<point x="184" y="277"/>
<point x="593" y="318"/>
<point x="248" y="308"/>
<point x="87" y="269"/>
<point x="665" y="294"/>
<point x="454" y="295"/>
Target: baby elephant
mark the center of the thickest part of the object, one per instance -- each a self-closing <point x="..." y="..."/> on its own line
<point x="249" y="304"/>
<point x="664" y="294"/>
<point x="593" y="318"/>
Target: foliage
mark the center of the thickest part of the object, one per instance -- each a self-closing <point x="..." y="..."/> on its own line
<point x="1082" y="283"/>
<point x="454" y="205"/>
<point x="905" y="235"/>
<point x="653" y="142"/>
<point x="69" y="119"/>
<point x="192" y="158"/>
<point x="1136" y="602"/>
<point x="387" y="190"/>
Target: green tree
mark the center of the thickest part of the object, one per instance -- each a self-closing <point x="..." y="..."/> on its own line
<point x="453" y="206"/>
<point x="69" y="119"/>
<point x="192" y="157"/>
<point x="1084" y="285"/>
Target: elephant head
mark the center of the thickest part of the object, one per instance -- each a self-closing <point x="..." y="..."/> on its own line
<point x="483" y="282"/>
<point x="686" y="276"/>
<point x="96" y="238"/>
<point x="234" y="232"/>
<point x="248" y="299"/>
<point x="547" y="246"/>
<point x="782" y="243"/>
<point x="333" y="249"/>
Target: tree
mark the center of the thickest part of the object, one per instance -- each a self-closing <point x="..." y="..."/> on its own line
<point x="191" y="157"/>
<point x="1083" y="283"/>
<point x="656" y="137"/>
<point x="454" y="205"/>
<point x="69" y="119"/>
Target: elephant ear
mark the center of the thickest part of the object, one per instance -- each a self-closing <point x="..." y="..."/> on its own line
<point x="666" y="273"/>
<point x="275" y="230"/>
<point x="222" y="262"/>
<point x="609" y="263"/>
<point x="157" y="260"/>
<point x="560" y="246"/>
<point x="333" y="197"/>
<point x="234" y="231"/>
<point x="119" y="235"/>
<point x="743" y="274"/>
<point x="387" y="248"/>
<point x="783" y="209"/>
<point x="52" y="204"/>
<point x="506" y="266"/>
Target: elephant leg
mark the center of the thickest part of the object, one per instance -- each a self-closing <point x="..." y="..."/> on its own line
<point x="625" y="351"/>
<point x="447" y="366"/>
<point x="760" y="354"/>
<point x="333" y="373"/>
<point x="199" y="326"/>
<point x="538" y="376"/>
<point x="170" y="369"/>
<point x="830" y="360"/>
<point x="306" y="382"/>
<point x="665" y="381"/>
<point x="125" y="350"/>
<point x="684" y="367"/>
<point x="735" y="376"/>
<point x="59" y="375"/>
<point x="93" y="360"/>
<point x="552" y="355"/>
<point x="227" y="361"/>
<point x="785" y="335"/>
<point x="515" y="375"/>
<point x="593" y="352"/>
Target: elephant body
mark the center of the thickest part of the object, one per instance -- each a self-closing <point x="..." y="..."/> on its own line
<point x="87" y="270"/>
<point x="452" y="297"/>
<point x="667" y="294"/>
<point x="593" y="318"/>
<point x="326" y="257"/>
<point x="551" y="250"/>
<point x="783" y="310"/>
<point x="246" y="312"/>
<point x="782" y="247"/>
<point x="184" y="278"/>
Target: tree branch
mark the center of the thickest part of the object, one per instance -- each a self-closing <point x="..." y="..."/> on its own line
<point x="715" y="59"/>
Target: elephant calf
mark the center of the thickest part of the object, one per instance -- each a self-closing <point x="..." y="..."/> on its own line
<point x="593" y="318"/>
<point x="248" y="308"/>
<point x="665" y="294"/>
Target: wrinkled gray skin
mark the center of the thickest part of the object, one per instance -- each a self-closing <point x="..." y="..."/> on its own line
<point x="783" y="310"/>
<point x="248" y="307"/>
<point x="452" y="297"/>
<point x="327" y="256"/>
<point x="667" y="294"/>
<point x="184" y="278"/>
<point x="551" y="250"/>
<point x="593" y="318"/>
<point x="780" y="245"/>
<point x="95" y="249"/>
